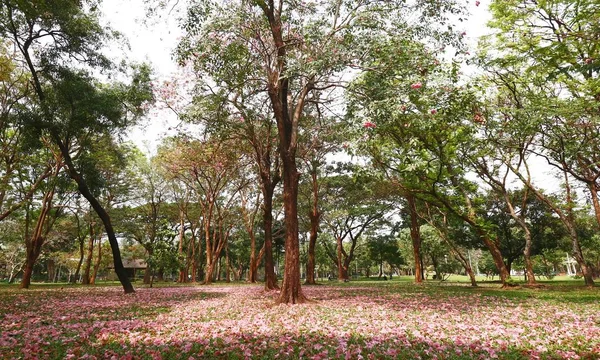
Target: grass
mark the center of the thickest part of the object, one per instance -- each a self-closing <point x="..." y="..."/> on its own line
<point x="369" y="318"/>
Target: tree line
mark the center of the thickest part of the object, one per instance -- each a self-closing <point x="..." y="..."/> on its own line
<point x="339" y="124"/>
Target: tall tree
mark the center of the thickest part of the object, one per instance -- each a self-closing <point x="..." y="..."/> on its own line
<point x="73" y="108"/>
<point x="291" y="51"/>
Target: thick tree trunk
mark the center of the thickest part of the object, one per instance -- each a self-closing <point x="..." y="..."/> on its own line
<point x="341" y="263"/>
<point x="291" y="289"/>
<point x="415" y="235"/>
<point x="84" y="190"/>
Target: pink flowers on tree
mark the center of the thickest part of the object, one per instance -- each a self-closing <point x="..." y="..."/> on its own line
<point x="416" y="86"/>
<point x="477" y="3"/>
<point x="369" y="125"/>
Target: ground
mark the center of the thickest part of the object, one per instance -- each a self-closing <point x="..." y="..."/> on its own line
<point x="370" y="320"/>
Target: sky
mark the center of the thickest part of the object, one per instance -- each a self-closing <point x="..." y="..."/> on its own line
<point x="155" y="41"/>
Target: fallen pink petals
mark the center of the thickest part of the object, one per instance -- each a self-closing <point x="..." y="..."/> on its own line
<point x="242" y="322"/>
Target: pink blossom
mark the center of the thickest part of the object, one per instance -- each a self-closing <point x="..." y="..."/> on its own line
<point x="416" y="85"/>
<point x="433" y="111"/>
<point x="369" y="125"/>
<point x="477" y="3"/>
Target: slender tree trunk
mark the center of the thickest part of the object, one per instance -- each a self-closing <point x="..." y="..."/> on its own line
<point x="594" y="193"/>
<point x="35" y="242"/>
<point x="588" y="276"/>
<point x="496" y="256"/>
<point x="97" y="264"/>
<point x="270" y="277"/>
<point x="89" y="256"/>
<point x="81" y="255"/>
<point x="415" y="235"/>
<point x="227" y="265"/>
<point x="84" y="190"/>
<point x="314" y="227"/>
<point x="51" y="266"/>
<point x="182" y="270"/>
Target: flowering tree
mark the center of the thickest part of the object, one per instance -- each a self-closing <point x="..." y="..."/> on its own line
<point x="284" y="54"/>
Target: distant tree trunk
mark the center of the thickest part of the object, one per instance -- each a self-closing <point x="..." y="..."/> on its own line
<point x="81" y="255"/>
<point x="415" y="235"/>
<point x="183" y="269"/>
<point x="314" y="216"/>
<point x="89" y="257"/>
<point x="570" y="222"/>
<point x="51" y="266"/>
<point x="341" y="264"/>
<point x="270" y="277"/>
<point x="34" y="242"/>
<point x="97" y="264"/>
<point x="592" y="185"/>
<point x="227" y="265"/>
<point x="84" y="190"/>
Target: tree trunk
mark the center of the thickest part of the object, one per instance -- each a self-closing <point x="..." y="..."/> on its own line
<point x="415" y="235"/>
<point x="89" y="256"/>
<point x="183" y="269"/>
<point x="291" y="289"/>
<point x="527" y="256"/>
<point x="35" y="242"/>
<point x="51" y="270"/>
<point x="270" y="277"/>
<point x="81" y="255"/>
<point x="314" y="228"/>
<point x="227" y="265"/>
<point x="97" y="264"/>
<point x="84" y="190"/>
<point x="577" y="253"/>
<point x="496" y="256"/>
<point x="594" y="193"/>
<point x="342" y="268"/>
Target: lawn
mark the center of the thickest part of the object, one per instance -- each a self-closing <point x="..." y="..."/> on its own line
<point x="370" y="320"/>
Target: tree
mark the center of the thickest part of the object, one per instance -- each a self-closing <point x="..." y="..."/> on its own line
<point x="352" y="204"/>
<point x="550" y="42"/>
<point x="290" y="52"/>
<point x="72" y="108"/>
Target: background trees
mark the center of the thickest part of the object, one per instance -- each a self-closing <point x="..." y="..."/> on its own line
<point x="343" y="133"/>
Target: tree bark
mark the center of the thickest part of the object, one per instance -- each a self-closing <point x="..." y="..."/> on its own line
<point x="36" y="240"/>
<point x="270" y="277"/>
<point x="90" y="254"/>
<point x="415" y="235"/>
<point x="314" y="216"/>
<point x="291" y="290"/>
<point x="97" y="264"/>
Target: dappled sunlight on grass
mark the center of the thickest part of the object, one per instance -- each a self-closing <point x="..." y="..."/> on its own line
<point x="345" y="321"/>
